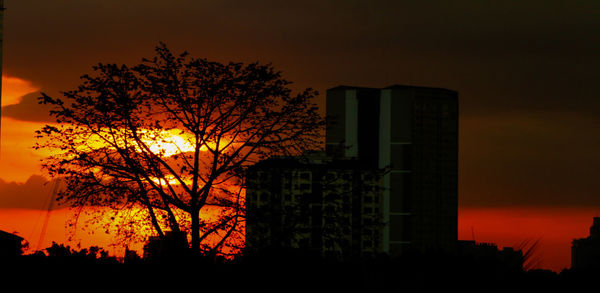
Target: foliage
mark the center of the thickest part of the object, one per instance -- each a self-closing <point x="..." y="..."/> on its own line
<point x="165" y="143"/>
<point x="61" y="251"/>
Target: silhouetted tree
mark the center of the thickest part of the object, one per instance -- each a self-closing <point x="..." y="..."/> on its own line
<point x="167" y="141"/>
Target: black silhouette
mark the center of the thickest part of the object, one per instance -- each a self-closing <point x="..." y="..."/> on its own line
<point x="175" y="137"/>
<point x="11" y="245"/>
<point x="412" y="131"/>
<point x="585" y="252"/>
<point x="172" y="136"/>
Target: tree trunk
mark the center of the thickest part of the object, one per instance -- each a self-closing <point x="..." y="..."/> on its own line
<point x="195" y="215"/>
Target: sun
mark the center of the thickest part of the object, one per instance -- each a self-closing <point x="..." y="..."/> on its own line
<point x="168" y="142"/>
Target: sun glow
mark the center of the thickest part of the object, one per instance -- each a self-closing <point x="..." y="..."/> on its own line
<point x="170" y="180"/>
<point x="174" y="149"/>
<point x="164" y="143"/>
<point x="169" y="142"/>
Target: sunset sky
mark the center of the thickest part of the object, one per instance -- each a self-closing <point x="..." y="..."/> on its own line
<point x="526" y="73"/>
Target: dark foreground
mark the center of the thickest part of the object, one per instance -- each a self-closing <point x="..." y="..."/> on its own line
<point x="280" y="273"/>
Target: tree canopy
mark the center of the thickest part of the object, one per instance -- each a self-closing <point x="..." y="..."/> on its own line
<point x="165" y="143"/>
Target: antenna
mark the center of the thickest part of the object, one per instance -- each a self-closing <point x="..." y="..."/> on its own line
<point x="473" y="233"/>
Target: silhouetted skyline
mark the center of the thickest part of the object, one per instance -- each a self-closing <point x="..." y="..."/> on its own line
<point x="526" y="72"/>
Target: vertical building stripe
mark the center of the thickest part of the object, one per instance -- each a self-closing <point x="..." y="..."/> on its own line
<point x="351" y="125"/>
<point x="385" y="133"/>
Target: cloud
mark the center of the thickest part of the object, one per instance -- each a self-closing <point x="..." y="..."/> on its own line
<point x="19" y="100"/>
<point x="35" y="193"/>
<point x="28" y="109"/>
<point x="14" y="88"/>
<point x="509" y="61"/>
<point x="528" y="160"/>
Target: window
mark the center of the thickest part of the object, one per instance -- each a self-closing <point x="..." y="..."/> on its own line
<point x="328" y="243"/>
<point x="303" y="243"/>
<point x="400" y="192"/>
<point x="264" y="196"/>
<point x="330" y="176"/>
<point x="401" y="156"/>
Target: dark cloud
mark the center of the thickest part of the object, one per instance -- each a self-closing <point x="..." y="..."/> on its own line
<point x="534" y="159"/>
<point x="35" y="193"/>
<point x="28" y="109"/>
<point x="509" y="61"/>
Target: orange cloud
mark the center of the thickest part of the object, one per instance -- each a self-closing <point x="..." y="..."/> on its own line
<point x="18" y="161"/>
<point x="13" y="88"/>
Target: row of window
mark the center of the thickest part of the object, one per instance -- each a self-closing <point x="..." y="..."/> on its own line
<point x="307" y="175"/>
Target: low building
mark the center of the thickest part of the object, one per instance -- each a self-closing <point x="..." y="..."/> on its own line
<point x="507" y="258"/>
<point x="11" y="245"/>
<point x="585" y="252"/>
<point x="316" y="204"/>
<point x="171" y="245"/>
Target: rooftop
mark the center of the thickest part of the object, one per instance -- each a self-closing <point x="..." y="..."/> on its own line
<point x="395" y="86"/>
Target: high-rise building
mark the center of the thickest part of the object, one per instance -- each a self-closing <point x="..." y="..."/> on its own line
<point x="412" y="132"/>
<point x="313" y="203"/>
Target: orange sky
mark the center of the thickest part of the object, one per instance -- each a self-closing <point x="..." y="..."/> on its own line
<point x="526" y="73"/>
<point x="555" y="227"/>
<point x="505" y="226"/>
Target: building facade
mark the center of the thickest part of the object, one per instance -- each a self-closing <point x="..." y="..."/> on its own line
<point x="315" y="204"/>
<point x="413" y="133"/>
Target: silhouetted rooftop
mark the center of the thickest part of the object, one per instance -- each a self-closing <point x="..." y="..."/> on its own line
<point x="395" y="86"/>
<point x="399" y="86"/>
<point x="348" y="87"/>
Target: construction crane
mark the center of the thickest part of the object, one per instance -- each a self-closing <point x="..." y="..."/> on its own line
<point x="47" y="219"/>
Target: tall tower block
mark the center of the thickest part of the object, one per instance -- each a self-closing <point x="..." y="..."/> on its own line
<point x="413" y="132"/>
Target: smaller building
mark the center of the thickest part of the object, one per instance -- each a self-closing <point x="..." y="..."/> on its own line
<point x="11" y="245"/>
<point x="507" y="258"/>
<point x="172" y="245"/>
<point x="314" y="204"/>
<point x="585" y="252"/>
